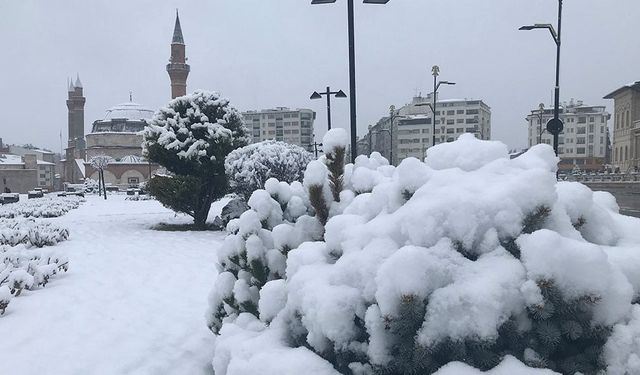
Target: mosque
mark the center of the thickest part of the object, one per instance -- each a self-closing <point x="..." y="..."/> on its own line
<point x="118" y="134"/>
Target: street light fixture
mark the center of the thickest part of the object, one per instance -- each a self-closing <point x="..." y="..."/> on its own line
<point x="328" y="93"/>
<point x="435" y="71"/>
<point x="555" y="125"/>
<point x="352" y="65"/>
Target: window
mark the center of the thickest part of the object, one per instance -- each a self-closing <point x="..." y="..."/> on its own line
<point x="450" y="122"/>
<point x="591" y="128"/>
<point x="473" y="111"/>
<point x="460" y="111"/>
<point x="460" y="121"/>
<point x="582" y="130"/>
<point x="580" y="151"/>
<point x="425" y="131"/>
<point x="451" y="113"/>
<point x="271" y="116"/>
<point x="582" y="120"/>
<point x="437" y="113"/>
<point x="425" y="140"/>
<point x="450" y="131"/>
<point x="133" y="180"/>
<point x="580" y="140"/>
<point x="591" y="119"/>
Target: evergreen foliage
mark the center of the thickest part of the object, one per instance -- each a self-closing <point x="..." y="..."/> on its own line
<point x="249" y="167"/>
<point x="388" y="330"/>
<point x="191" y="138"/>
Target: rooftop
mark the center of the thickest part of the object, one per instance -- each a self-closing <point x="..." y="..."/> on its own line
<point x="128" y="111"/>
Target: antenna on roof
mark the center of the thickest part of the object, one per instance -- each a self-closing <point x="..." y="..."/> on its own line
<point x="130" y="96"/>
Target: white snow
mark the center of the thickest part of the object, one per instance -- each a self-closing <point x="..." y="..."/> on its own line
<point x="132" y="301"/>
<point x="436" y="232"/>
<point x="333" y="139"/>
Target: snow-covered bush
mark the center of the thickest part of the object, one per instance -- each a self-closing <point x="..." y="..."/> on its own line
<point x="30" y="232"/>
<point x="469" y="257"/>
<point x="46" y="207"/>
<point x="23" y="267"/>
<point x="191" y="138"/>
<point x="249" y="167"/>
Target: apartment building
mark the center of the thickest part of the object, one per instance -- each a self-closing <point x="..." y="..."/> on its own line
<point x="409" y="131"/>
<point x="584" y="141"/>
<point x="293" y="126"/>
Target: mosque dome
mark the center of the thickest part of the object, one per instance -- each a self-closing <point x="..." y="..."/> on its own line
<point x="128" y="111"/>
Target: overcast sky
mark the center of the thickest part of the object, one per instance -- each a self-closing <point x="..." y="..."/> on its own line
<point x="267" y="53"/>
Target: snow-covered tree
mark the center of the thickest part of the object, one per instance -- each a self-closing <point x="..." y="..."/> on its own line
<point x="469" y="257"/>
<point x="100" y="162"/>
<point x="191" y="138"/>
<point x="251" y="166"/>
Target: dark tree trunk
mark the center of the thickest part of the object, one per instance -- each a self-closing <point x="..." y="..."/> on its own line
<point x="104" y="185"/>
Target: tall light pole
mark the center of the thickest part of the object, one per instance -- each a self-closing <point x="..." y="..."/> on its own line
<point x="328" y="93"/>
<point x="435" y="71"/>
<point x="352" y="66"/>
<point x="555" y="125"/>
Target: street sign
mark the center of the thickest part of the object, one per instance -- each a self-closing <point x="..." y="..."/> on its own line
<point x="555" y="126"/>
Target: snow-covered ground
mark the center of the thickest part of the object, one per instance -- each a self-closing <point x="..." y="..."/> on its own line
<point x="132" y="302"/>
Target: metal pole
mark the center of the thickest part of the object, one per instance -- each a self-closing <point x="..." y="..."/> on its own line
<point x="328" y="108"/>
<point x="352" y="78"/>
<point x="391" y="142"/>
<point x="433" y="108"/>
<point x="556" y="106"/>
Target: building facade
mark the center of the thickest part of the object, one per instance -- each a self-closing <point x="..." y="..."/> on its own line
<point x="626" y="127"/>
<point x="584" y="142"/>
<point x="409" y="131"/>
<point x="21" y="173"/>
<point x="118" y="136"/>
<point x="178" y="68"/>
<point x="293" y="126"/>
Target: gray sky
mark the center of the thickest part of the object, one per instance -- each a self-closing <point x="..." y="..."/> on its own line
<point x="267" y="53"/>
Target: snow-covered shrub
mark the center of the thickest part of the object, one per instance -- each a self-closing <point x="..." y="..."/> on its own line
<point x="5" y="298"/>
<point x="23" y="267"/>
<point x="30" y="232"/>
<point x="48" y="206"/>
<point x="469" y="257"/>
<point x="191" y="138"/>
<point x="249" y="167"/>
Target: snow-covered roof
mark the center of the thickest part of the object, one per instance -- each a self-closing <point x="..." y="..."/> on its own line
<point x="80" y="164"/>
<point x="10" y="159"/>
<point x="42" y="162"/>
<point x="132" y="159"/>
<point x="632" y="85"/>
<point x="129" y="111"/>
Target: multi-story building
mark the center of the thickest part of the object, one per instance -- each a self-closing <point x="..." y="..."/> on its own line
<point x="409" y="131"/>
<point x="626" y="127"/>
<point x="584" y="140"/>
<point x="21" y="173"/>
<point x="293" y="126"/>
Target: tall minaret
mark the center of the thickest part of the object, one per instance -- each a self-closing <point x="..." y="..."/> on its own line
<point x="75" y="104"/>
<point x="177" y="68"/>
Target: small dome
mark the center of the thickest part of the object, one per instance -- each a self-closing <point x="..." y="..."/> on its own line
<point x="132" y="159"/>
<point x="129" y="111"/>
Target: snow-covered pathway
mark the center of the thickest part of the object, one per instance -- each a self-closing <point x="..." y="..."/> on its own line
<point x="133" y="301"/>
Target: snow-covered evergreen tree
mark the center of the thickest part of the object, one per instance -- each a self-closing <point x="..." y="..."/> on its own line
<point x="191" y="138"/>
<point x="249" y="167"/>
<point x="469" y="257"/>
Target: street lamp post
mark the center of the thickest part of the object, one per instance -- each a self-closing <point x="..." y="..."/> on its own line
<point x="555" y="125"/>
<point x="328" y="93"/>
<point x="435" y="71"/>
<point x="352" y="66"/>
